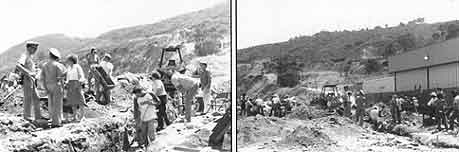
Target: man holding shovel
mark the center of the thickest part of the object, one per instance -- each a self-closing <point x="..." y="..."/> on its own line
<point x="26" y="65"/>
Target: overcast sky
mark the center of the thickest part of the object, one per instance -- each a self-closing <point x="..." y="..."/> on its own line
<point x="25" y="19"/>
<point x="268" y="21"/>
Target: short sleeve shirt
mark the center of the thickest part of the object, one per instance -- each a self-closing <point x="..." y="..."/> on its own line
<point x="147" y="110"/>
<point x="158" y="88"/>
<point x="107" y="66"/>
<point x="26" y="61"/>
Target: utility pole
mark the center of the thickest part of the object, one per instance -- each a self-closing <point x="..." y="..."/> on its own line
<point x="279" y="58"/>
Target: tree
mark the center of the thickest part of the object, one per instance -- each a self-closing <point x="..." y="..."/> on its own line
<point x="207" y="40"/>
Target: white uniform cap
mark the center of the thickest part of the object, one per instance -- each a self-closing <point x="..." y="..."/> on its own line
<point x="32" y="43"/>
<point x="55" y="52"/>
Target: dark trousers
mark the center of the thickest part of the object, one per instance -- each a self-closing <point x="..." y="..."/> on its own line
<point x="454" y="116"/>
<point x="441" y="118"/>
<point x="102" y="92"/>
<point x="396" y="116"/>
<point x="162" y="115"/>
<point x="347" y="109"/>
<point x="243" y="109"/>
<point x="359" y="115"/>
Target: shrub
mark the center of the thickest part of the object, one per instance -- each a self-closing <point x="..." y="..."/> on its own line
<point x="207" y="47"/>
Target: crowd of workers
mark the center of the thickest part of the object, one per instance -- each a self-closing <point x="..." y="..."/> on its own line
<point x="355" y="105"/>
<point x="443" y="110"/>
<point x="276" y="106"/>
<point x="64" y="82"/>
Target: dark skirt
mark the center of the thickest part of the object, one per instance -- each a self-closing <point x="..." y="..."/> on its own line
<point x="74" y="93"/>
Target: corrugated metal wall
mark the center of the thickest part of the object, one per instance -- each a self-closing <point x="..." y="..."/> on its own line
<point x="439" y="53"/>
<point x="379" y="85"/>
<point x="406" y="80"/>
<point x="444" y="76"/>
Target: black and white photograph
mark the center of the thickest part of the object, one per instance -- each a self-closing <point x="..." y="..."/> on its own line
<point x="347" y="76"/>
<point x="115" y="75"/>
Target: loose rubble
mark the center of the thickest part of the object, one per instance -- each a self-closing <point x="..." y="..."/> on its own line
<point x="308" y="128"/>
<point x="101" y="130"/>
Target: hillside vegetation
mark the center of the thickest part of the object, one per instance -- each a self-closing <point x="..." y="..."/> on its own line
<point x="138" y="48"/>
<point x="353" y="54"/>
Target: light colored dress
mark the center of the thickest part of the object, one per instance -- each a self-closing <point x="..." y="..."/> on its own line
<point x="75" y="76"/>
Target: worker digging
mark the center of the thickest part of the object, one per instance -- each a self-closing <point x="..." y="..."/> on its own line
<point x="348" y="87"/>
<point x="155" y="107"/>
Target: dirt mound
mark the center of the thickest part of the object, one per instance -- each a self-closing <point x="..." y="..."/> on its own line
<point x="256" y="129"/>
<point x="306" y="112"/>
<point x="308" y="137"/>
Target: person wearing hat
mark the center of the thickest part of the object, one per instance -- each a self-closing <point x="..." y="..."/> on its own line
<point x="415" y="103"/>
<point x="437" y="103"/>
<point x="92" y="59"/>
<point x="360" y="103"/>
<point x="206" y="80"/>
<point x="101" y="91"/>
<point x="242" y="103"/>
<point x="395" y="108"/>
<point x="28" y="70"/>
<point x="188" y="86"/>
<point x="347" y="104"/>
<point x="145" y="115"/>
<point x="455" y="111"/>
<point x="52" y="75"/>
<point x="159" y="90"/>
<point x="106" y="65"/>
<point x="275" y="108"/>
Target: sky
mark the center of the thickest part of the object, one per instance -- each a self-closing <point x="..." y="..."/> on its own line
<point x="25" y="19"/>
<point x="270" y="21"/>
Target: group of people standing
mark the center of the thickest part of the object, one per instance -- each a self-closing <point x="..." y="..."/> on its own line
<point x="444" y="110"/>
<point x="275" y="106"/>
<point x="150" y="102"/>
<point x="65" y="77"/>
<point x="56" y="77"/>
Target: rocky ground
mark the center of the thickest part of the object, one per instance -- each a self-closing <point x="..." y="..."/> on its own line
<point x="101" y="130"/>
<point x="316" y="130"/>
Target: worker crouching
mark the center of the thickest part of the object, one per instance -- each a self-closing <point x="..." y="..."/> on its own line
<point x="145" y="115"/>
<point x="188" y="87"/>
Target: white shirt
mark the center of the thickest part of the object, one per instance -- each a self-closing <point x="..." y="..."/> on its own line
<point x="352" y="100"/>
<point x="158" y="88"/>
<point x="107" y="66"/>
<point x="276" y="100"/>
<point x="75" y="72"/>
<point x="185" y="81"/>
<point x="147" y="111"/>
<point x="374" y="114"/>
<point x="456" y="102"/>
<point x="26" y="61"/>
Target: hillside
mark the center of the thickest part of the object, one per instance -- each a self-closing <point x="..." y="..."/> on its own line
<point x="203" y="36"/>
<point x="351" y="54"/>
<point x="60" y="41"/>
<point x="137" y="49"/>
